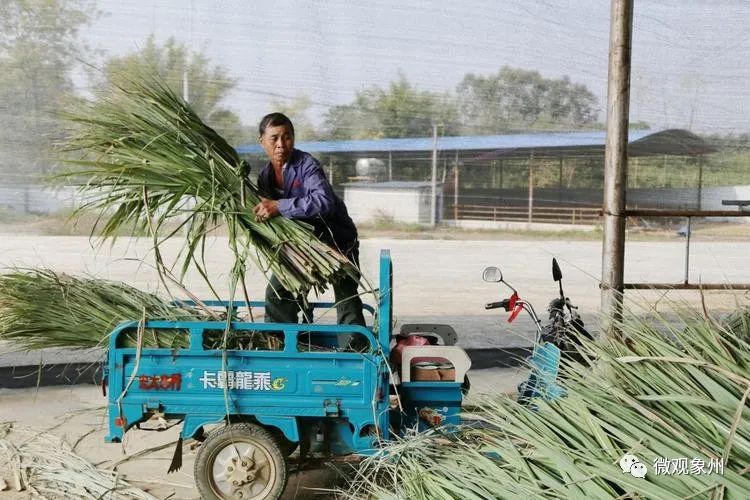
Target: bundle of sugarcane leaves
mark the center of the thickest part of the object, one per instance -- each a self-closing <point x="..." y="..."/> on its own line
<point x="40" y="308"/>
<point x="672" y="395"/>
<point x="145" y="160"/>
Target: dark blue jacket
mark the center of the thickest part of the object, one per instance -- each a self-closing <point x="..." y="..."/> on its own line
<point x="309" y="197"/>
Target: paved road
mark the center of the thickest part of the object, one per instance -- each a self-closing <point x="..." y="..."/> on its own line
<point x="434" y="280"/>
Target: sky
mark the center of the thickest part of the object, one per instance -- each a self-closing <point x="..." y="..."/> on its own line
<point x="690" y="57"/>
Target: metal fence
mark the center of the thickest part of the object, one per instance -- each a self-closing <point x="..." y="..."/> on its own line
<point x="546" y="214"/>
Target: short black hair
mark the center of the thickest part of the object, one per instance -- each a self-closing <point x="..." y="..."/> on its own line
<point x="275" y="120"/>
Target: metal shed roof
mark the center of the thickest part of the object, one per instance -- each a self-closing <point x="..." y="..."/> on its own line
<point x="670" y="142"/>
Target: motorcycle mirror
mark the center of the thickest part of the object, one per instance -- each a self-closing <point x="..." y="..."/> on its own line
<point x="492" y="274"/>
<point x="556" y="273"/>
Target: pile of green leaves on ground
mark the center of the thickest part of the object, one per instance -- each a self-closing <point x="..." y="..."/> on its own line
<point x="40" y="308"/>
<point x="664" y="390"/>
<point x="144" y="159"/>
<point x="739" y="322"/>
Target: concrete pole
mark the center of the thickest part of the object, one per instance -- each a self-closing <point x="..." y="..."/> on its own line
<point x="455" y="190"/>
<point x="434" y="177"/>
<point x="390" y="166"/>
<point x="700" y="182"/>
<point x="531" y="186"/>
<point x="615" y="160"/>
<point x="189" y="202"/>
<point x="185" y="86"/>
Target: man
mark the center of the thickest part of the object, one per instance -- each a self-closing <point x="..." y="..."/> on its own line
<point x="295" y="187"/>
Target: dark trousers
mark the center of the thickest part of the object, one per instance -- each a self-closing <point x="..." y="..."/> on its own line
<point x="282" y="306"/>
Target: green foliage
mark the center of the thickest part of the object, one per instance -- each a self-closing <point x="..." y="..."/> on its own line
<point x="739" y="323"/>
<point x="401" y="110"/>
<point x="208" y="85"/>
<point x="38" y="46"/>
<point x="666" y="389"/>
<point x="513" y="99"/>
<point x="297" y="110"/>
<point x="148" y="161"/>
<point x="40" y="308"/>
<point x="662" y="172"/>
<point x="513" y="173"/>
<point x="727" y="167"/>
<point x="518" y="99"/>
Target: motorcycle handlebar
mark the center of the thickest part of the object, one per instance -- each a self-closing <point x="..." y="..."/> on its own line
<point x="559" y="303"/>
<point x="497" y="305"/>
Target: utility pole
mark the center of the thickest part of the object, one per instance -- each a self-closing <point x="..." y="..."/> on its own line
<point x="390" y="166"/>
<point x="185" y="88"/>
<point x="185" y="85"/>
<point x="531" y="188"/>
<point x="433" y="215"/>
<point x="190" y="202"/>
<point x="455" y="190"/>
<point x="615" y="161"/>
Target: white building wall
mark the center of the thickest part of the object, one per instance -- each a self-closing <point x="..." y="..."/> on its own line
<point x="424" y="202"/>
<point x="712" y="197"/>
<point x="367" y="205"/>
<point x="37" y="199"/>
<point x="411" y="206"/>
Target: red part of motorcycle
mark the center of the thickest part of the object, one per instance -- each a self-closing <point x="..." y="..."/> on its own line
<point x="516" y="308"/>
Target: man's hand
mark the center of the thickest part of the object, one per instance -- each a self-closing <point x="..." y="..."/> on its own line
<point x="266" y="209"/>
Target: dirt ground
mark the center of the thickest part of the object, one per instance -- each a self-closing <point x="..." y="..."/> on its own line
<point x="77" y="414"/>
<point x="638" y="229"/>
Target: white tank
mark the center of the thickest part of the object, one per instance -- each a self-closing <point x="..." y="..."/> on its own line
<point x="370" y="167"/>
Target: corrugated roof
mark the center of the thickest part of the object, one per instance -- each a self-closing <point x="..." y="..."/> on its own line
<point x="459" y="143"/>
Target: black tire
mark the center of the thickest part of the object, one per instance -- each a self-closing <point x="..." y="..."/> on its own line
<point x="466" y="386"/>
<point x="286" y="446"/>
<point x="254" y="467"/>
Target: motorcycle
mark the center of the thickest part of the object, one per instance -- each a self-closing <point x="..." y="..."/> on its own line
<point x="559" y="338"/>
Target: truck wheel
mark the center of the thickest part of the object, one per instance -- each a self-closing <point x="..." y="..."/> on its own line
<point x="286" y="446"/>
<point x="240" y="461"/>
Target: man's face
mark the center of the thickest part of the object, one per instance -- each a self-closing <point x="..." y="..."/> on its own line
<point x="277" y="142"/>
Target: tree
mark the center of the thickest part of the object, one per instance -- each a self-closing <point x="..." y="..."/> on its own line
<point x="296" y="109"/>
<point x="38" y="46"/>
<point x="516" y="99"/>
<point x="398" y="111"/>
<point x="207" y="85"/>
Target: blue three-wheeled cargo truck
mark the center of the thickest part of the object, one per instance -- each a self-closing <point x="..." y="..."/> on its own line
<point x="306" y="391"/>
<point x="251" y="407"/>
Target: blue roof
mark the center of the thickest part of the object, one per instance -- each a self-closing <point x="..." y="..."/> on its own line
<point x="460" y="143"/>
